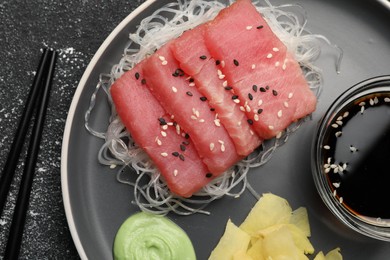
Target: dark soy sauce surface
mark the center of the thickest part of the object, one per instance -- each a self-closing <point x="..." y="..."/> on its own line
<point x="357" y="157"/>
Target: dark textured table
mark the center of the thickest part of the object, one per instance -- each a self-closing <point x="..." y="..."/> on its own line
<point x="75" y="28"/>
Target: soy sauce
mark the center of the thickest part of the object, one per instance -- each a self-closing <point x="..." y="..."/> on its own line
<point x="356" y="159"/>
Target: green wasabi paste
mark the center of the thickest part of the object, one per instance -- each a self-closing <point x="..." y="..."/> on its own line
<point x="147" y="236"/>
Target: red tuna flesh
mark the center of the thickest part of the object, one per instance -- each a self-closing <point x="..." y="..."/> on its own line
<point x="195" y="60"/>
<point x="171" y="86"/>
<point x="153" y="129"/>
<point x="266" y="78"/>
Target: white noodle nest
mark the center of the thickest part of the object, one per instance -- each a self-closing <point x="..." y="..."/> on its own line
<point x="151" y="193"/>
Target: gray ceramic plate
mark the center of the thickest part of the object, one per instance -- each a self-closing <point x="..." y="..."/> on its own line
<point x="96" y="204"/>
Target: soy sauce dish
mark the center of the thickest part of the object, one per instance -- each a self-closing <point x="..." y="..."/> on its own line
<point x="351" y="158"/>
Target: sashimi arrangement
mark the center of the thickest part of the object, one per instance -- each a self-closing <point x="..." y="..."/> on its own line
<point x="206" y="96"/>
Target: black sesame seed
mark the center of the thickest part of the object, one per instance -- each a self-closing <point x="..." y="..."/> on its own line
<point x="189" y="93"/>
<point x="203" y="57"/>
<point x="174" y="123"/>
<point x="209" y="175"/>
<point x="254" y="87"/>
<point x="250" y="96"/>
<point x="259" y="111"/>
<point x="203" y="98"/>
<point x="175" y="74"/>
<point x="182" y="147"/>
<point x="176" y="154"/>
<point x="250" y="121"/>
<point x="179" y="72"/>
<point x="228" y="88"/>
<point x="137" y="75"/>
<point x="181" y="157"/>
<point x="236" y="62"/>
<point x="274" y="92"/>
<point x="267" y="87"/>
<point x="143" y="81"/>
<point x="162" y="121"/>
<point x="186" y="142"/>
<point x="186" y="136"/>
<point x="262" y="89"/>
<point x="212" y="109"/>
<point x="217" y="62"/>
<point x="191" y="80"/>
<point x="259" y="27"/>
<point x="234" y="97"/>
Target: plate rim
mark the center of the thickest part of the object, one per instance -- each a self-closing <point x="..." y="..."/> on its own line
<point x="69" y="123"/>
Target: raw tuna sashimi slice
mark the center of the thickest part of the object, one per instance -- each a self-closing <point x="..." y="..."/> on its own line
<point x="172" y="87"/>
<point x="153" y="130"/>
<point x="195" y="60"/>
<point x="266" y="78"/>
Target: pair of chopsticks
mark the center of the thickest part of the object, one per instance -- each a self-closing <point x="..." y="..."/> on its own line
<point x="37" y="102"/>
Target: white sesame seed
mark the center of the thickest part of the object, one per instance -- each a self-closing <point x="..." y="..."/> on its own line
<point x="277" y="64"/>
<point x="174" y="89"/>
<point x="333" y="166"/>
<point x="212" y="145"/>
<point x="362" y="103"/>
<point x="269" y="56"/>
<point x="222" y="63"/>
<point x="221" y="76"/>
<point x="164" y="154"/>
<point x="338" y="134"/>
<point x="175" y="172"/>
<point x="192" y="84"/>
<point x="219" y="72"/>
<point x="164" y="134"/>
<point x="164" y="62"/>
<point x="194" y="117"/>
<point x="217" y="122"/>
<point x="336" y="184"/>
<point x="239" y="123"/>
<point x="326" y="165"/>
<point x="341" y="199"/>
<point x="278" y="135"/>
<point x="376" y="100"/>
<point x="178" y="129"/>
<point x="248" y="108"/>
<point x="353" y="149"/>
<point x="256" y="117"/>
<point x="252" y="133"/>
<point x="237" y="101"/>
<point x="387" y="100"/>
<point x="225" y="83"/>
<point x="334" y="193"/>
<point x="346" y="113"/>
<point x="280" y="113"/>
<point x="290" y="95"/>
<point x="249" y="27"/>
<point x="201" y="120"/>
<point x="197" y="113"/>
<point x="271" y="127"/>
<point x="371" y="102"/>
<point x="221" y="142"/>
<point x="275" y="49"/>
<point x="345" y="166"/>
<point x="339" y="122"/>
<point x="222" y="147"/>
<point x="260" y="102"/>
<point x="326" y="147"/>
<point x="242" y="108"/>
<point x="172" y="116"/>
<point x="362" y="110"/>
<point x="341" y="169"/>
<point x="329" y="159"/>
<point x="253" y="66"/>
<point x="285" y="104"/>
<point x="339" y="118"/>
<point x="112" y="166"/>
<point x="159" y="142"/>
<point x="162" y="58"/>
<point x="284" y="66"/>
<point x="327" y="170"/>
<point x="335" y="125"/>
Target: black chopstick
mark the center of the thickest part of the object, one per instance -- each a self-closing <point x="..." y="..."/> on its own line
<point x="43" y="81"/>
<point x="17" y="144"/>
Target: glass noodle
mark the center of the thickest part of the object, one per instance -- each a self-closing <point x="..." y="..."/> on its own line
<point x="151" y="193"/>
